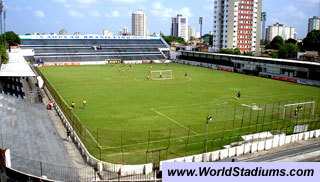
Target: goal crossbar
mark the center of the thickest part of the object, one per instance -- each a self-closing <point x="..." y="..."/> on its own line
<point x="163" y="77"/>
<point x="297" y="104"/>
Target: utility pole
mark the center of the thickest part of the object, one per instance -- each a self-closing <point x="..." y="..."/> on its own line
<point x="4" y="28"/>
<point x="1" y="27"/>
<point x="200" y="22"/>
<point x="263" y="19"/>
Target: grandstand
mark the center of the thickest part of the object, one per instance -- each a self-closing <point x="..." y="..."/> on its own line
<point x="94" y="48"/>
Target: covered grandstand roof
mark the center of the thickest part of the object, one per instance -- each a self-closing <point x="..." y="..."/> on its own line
<point x="17" y="66"/>
<point x="257" y="58"/>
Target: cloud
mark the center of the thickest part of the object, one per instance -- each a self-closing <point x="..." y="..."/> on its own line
<point x="157" y="5"/>
<point x="60" y="1"/>
<point x="126" y="1"/>
<point x="166" y="13"/>
<point x="76" y="14"/>
<point x="95" y="13"/>
<point x="86" y="1"/>
<point x="114" y="14"/>
<point x="39" y="14"/>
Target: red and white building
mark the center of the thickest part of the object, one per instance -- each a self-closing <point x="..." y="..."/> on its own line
<point x="237" y="24"/>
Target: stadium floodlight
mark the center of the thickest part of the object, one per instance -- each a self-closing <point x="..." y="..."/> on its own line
<point x="161" y="75"/>
<point x="313" y="104"/>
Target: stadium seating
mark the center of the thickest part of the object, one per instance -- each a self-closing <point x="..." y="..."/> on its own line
<point x="12" y="86"/>
<point x="68" y="50"/>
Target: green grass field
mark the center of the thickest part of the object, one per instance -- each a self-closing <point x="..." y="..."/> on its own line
<point x="129" y="115"/>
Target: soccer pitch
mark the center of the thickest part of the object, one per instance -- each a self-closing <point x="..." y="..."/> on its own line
<point x="135" y="119"/>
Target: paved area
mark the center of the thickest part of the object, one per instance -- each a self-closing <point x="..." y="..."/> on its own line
<point x="37" y="146"/>
<point x="302" y="151"/>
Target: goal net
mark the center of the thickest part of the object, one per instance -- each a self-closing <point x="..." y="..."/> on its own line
<point x="161" y="75"/>
<point x="295" y="108"/>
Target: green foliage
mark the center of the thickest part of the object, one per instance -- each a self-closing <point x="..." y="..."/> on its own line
<point x="312" y="41"/>
<point x="288" y="51"/>
<point x="170" y="39"/>
<point x="277" y="42"/>
<point x="227" y="51"/>
<point x="293" y="41"/>
<point x="12" y="39"/>
<point x="211" y="40"/>
<point x="4" y="55"/>
<point x="266" y="44"/>
<point x="237" y="51"/>
<point x="248" y="53"/>
<point x="273" y="54"/>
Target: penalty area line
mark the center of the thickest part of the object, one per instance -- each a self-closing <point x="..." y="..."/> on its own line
<point x="173" y="120"/>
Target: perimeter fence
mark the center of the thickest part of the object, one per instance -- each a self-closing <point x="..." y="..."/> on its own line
<point x="227" y="126"/>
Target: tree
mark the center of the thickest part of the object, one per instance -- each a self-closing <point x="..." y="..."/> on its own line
<point x="12" y="39"/>
<point x="4" y="55"/>
<point x="273" y="54"/>
<point x="293" y="41"/>
<point x="237" y="51"/>
<point x="288" y="51"/>
<point x="211" y="40"/>
<point x="170" y="39"/>
<point x="227" y="51"/>
<point x="312" y="41"/>
<point x="248" y="53"/>
<point x="277" y="42"/>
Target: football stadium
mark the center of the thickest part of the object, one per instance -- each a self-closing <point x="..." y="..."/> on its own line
<point x="136" y="115"/>
<point x="129" y="101"/>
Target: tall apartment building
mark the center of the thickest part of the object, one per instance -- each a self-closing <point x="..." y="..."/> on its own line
<point x="179" y="27"/>
<point x="139" y="24"/>
<point x="280" y="30"/>
<point x="237" y="24"/>
<point x="191" y="32"/>
<point x="314" y="23"/>
<point x="125" y="30"/>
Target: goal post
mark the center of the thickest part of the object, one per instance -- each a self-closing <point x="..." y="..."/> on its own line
<point x="161" y="75"/>
<point x="312" y="103"/>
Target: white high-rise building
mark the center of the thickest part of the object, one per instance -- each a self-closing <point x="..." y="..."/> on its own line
<point x="139" y="23"/>
<point x="125" y="30"/>
<point x="280" y="30"/>
<point x="314" y="24"/>
<point x="179" y="27"/>
<point x="191" y="32"/>
<point x="107" y="33"/>
<point x="237" y="24"/>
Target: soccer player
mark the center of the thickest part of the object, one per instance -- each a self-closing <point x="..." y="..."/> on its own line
<point x="73" y="105"/>
<point x="148" y="77"/>
<point x="186" y="74"/>
<point x="239" y="95"/>
<point x="149" y="69"/>
<point x="296" y="111"/>
<point x="160" y="74"/>
<point x="84" y="102"/>
<point x="119" y="69"/>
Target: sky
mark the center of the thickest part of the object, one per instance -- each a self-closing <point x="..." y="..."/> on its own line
<point x="92" y="16"/>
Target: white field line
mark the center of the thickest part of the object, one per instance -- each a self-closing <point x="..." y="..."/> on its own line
<point x="174" y="121"/>
<point x="220" y="131"/>
<point x="226" y="99"/>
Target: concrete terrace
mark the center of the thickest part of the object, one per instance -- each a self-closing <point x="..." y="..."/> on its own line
<point x="28" y="131"/>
